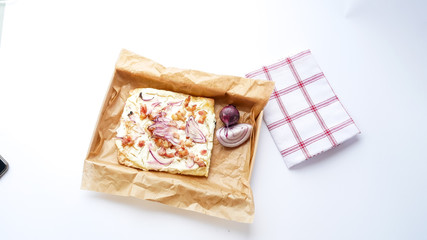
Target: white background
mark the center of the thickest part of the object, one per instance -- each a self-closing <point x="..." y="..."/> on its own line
<point x="56" y="62"/>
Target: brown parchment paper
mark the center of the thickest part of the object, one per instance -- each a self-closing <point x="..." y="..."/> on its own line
<point x="226" y="193"/>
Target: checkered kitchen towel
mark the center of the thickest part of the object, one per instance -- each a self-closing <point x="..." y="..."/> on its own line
<point x="304" y="115"/>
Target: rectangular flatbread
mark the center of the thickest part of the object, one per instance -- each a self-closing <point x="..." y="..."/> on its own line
<point x="166" y="131"/>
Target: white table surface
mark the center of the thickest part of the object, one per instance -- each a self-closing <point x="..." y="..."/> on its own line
<point x="56" y="62"/>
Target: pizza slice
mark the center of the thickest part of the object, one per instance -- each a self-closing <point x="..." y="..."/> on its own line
<point x="166" y="131"/>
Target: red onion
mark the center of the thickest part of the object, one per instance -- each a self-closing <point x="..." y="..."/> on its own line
<point x="193" y="131"/>
<point x="165" y="129"/>
<point x="229" y="115"/>
<point x="158" y="158"/>
<point x="235" y="135"/>
<point x="161" y="117"/>
<point x="142" y="98"/>
<point x="172" y="140"/>
<point x="155" y="104"/>
<point x="175" y="103"/>
<point x="171" y="104"/>
<point x="189" y="162"/>
<point x="166" y="121"/>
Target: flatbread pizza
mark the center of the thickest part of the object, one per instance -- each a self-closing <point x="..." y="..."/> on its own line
<point x="166" y="131"/>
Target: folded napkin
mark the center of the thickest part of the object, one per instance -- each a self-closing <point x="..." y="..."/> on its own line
<point x="303" y="115"/>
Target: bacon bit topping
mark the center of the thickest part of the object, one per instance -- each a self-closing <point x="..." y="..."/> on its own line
<point x="203" y="152"/>
<point x="187" y="101"/>
<point x="143" y="111"/>
<point x="141" y="143"/>
<point x="143" y="108"/>
<point x="182" y="152"/>
<point x="182" y="127"/>
<point x="166" y="144"/>
<point x="175" y="135"/>
<point x="161" y="152"/>
<point x="202" y="119"/>
<point x="127" y="141"/>
<point x="155" y="116"/>
<point x="192" y="108"/>
<point x="188" y="142"/>
<point x="151" y="117"/>
<point x="179" y="116"/>
<point x="199" y="161"/>
<point x="202" y="112"/>
<point x="162" y="143"/>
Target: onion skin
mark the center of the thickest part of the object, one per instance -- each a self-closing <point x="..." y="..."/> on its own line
<point x="235" y="135"/>
<point x="229" y="115"/>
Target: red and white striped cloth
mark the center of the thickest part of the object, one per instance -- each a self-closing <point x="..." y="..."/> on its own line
<point x="303" y="115"/>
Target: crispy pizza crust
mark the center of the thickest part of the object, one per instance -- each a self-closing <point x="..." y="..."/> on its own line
<point x="204" y="171"/>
